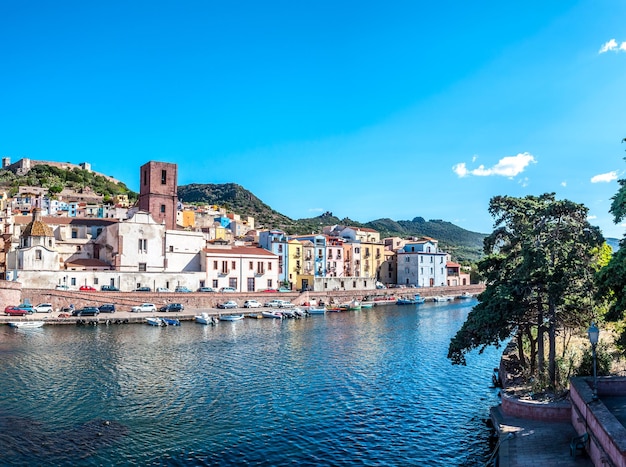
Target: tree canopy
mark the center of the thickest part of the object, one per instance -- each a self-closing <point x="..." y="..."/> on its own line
<point x="538" y="268"/>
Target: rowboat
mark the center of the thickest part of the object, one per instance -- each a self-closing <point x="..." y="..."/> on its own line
<point x="231" y="317"/>
<point x="170" y="321"/>
<point x="317" y="311"/>
<point x="26" y="324"/>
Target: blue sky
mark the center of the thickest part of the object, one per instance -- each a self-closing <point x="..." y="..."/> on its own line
<point x="366" y="109"/>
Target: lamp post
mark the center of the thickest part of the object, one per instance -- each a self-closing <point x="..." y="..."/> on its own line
<point x="593" y="332"/>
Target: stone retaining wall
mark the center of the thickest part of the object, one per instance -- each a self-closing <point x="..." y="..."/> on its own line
<point x="607" y="435"/>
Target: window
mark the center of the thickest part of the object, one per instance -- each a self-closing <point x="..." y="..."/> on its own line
<point x="269" y="266"/>
<point x="163" y="208"/>
<point x="142" y="267"/>
<point x="441" y="260"/>
<point x="354" y="284"/>
<point x="215" y="265"/>
<point x="171" y="248"/>
<point x="74" y="233"/>
<point x="342" y="284"/>
<point x="431" y="259"/>
<point x="145" y="180"/>
<point x="72" y="281"/>
<point x="251" y="265"/>
<point x="338" y="254"/>
<point x="78" y="248"/>
<point x="38" y="254"/>
<point x="406" y="270"/>
<point x="95" y="281"/>
<point x="225" y="267"/>
<point x="215" y="286"/>
<point x="260" y="267"/>
<point x="234" y="265"/>
<point x="356" y="251"/>
<point x="280" y="248"/>
<point x="407" y="259"/>
<point x="421" y="259"/>
<point x="232" y="282"/>
<point x="143" y="245"/>
<point x="163" y="177"/>
<point x="269" y="283"/>
<point x="250" y="284"/>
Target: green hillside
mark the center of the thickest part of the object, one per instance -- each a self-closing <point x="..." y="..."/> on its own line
<point x="463" y="245"/>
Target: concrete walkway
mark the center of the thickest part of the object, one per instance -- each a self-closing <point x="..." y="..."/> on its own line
<point x="532" y="443"/>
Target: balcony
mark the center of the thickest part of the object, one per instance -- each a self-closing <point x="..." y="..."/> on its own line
<point x="259" y="273"/>
<point x="223" y="273"/>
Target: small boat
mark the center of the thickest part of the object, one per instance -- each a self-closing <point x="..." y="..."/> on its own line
<point x="367" y="305"/>
<point x="204" y="318"/>
<point x="26" y="324"/>
<point x="442" y="298"/>
<point x="351" y="306"/>
<point x="465" y="295"/>
<point x="155" y="322"/>
<point x="171" y="321"/>
<point x="272" y="314"/>
<point x="333" y="308"/>
<point x="317" y="311"/>
<point x="231" y="317"/>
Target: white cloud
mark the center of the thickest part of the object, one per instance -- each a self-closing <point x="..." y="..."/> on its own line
<point x="590" y="218"/>
<point x="460" y="169"/>
<point x="563" y="183"/>
<point x="508" y="166"/>
<point x="607" y="177"/>
<point x="612" y="46"/>
<point x="316" y="209"/>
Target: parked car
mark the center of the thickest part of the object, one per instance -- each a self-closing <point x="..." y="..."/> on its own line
<point x="284" y="289"/>
<point x="44" y="308"/>
<point x="182" y="289"/>
<point x="206" y="289"/>
<point x="228" y="289"/>
<point x="143" y="289"/>
<point x="162" y="289"/>
<point x="109" y="288"/>
<point x="228" y="304"/>
<point x="14" y="311"/>
<point x="251" y="304"/>
<point x="87" y="287"/>
<point x="273" y="303"/>
<point x="26" y="306"/>
<point x="147" y="307"/>
<point x="62" y="287"/>
<point x="107" y="308"/>
<point x="269" y="290"/>
<point x="285" y="304"/>
<point x="86" y="311"/>
<point x="172" y="307"/>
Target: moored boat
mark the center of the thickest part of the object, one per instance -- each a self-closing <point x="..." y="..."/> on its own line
<point x="171" y="321"/>
<point x="26" y="324"/>
<point x="231" y="317"/>
<point x="272" y="314"/>
<point x="155" y="321"/>
<point x="465" y="295"/>
<point x="317" y="311"/>
<point x="204" y="318"/>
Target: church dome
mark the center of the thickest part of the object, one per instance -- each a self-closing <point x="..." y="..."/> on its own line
<point x="36" y="227"/>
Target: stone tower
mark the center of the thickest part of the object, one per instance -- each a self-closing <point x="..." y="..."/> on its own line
<point x="158" y="191"/>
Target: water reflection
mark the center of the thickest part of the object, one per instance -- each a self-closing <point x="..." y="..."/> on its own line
<point x="368" y="387"/>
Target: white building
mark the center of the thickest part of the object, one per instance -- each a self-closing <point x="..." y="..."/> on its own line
<point x="246" y="269"/>
<point x="421" y="263"/>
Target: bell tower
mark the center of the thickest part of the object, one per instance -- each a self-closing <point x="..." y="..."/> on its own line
<point x="158" y="191"/>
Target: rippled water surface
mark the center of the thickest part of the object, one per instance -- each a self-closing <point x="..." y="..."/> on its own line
<point x="371" y="387"/>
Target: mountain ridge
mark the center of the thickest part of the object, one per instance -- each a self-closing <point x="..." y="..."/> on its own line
<point x="464" y="246"/>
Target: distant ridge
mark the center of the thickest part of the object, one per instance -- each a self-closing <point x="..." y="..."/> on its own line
<point x="463" y="245"/>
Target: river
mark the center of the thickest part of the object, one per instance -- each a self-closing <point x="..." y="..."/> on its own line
<point x="370" y="387"/>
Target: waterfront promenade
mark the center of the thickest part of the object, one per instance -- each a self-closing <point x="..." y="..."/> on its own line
<point x="531" y="443"/>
